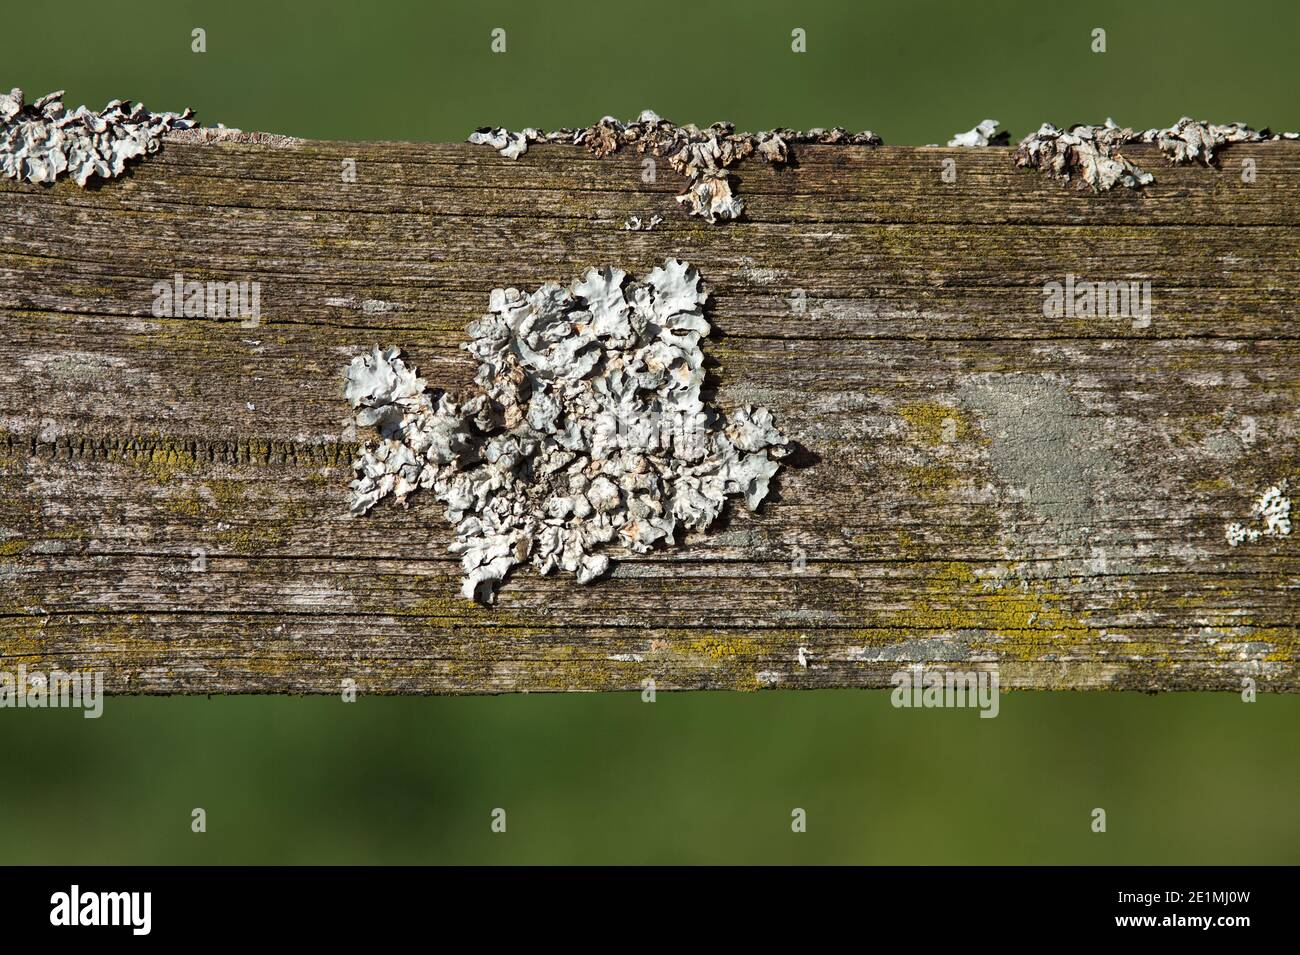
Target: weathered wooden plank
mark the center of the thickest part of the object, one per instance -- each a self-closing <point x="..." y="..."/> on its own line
<point x="828" y="184"/>
<point x="978" y="484"/>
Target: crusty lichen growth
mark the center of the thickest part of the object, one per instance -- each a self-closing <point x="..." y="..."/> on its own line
<point x="1272" y="511"/>
<point x="703" y="156"/>
<point x="43" y="140"/>
<point x="587" y="427"/>
<point x="1092" y="152"/>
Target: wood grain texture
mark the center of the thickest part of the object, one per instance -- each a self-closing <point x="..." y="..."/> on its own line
<point x="977" y="485"/>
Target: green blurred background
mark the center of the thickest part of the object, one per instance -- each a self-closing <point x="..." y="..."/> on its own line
<point x="690" y="778"/>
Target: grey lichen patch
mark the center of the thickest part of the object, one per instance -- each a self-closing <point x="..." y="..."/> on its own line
<point x="985" y="133"/>
<point x="947" y="648"/>
<point x="1272" y="514"/>
<point x="1092" y="152"/>
<point x="586" y="427"/>
<point x="1044" y="446"/>
<point x="703" y="156"/>
<point x="42" y="141"/>
<point x="635" y="224"/>
<point x="511" y="145"/>
<point x="1190" y="140"/>
<point x="209" y="135"/>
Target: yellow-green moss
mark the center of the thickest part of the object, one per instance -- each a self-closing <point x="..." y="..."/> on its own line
<point x="253" y="535"/>
<point x="932" y="481"/>
<point x="1019" y="623"/>
<point x="718" y="647"/>
<point x="226" y="494"/>
<point x="933" y="424"/>
<point x="22" y="633"/>
<point x="187" y="504"/>
<point x="165" y="463"/>
<point x="13" y="547"/>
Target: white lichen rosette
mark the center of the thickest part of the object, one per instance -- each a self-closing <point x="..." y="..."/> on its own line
<point x="44" y="140"/>
<point x="586" y="427"/>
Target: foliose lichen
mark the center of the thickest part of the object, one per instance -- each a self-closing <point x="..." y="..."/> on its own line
<point x="1272" y="509"/>
<point x="702" y="156"/>
<point x="1092" y="152"/>
<point x="43" y="140"/>
<point x="586" y="426"/>
<point x="985" y="133"/>
<point x="511" y="145"/>
<point x="634" y="223"/>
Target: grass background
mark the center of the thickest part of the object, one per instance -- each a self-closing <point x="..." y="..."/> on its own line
<point x="708" y="777"/>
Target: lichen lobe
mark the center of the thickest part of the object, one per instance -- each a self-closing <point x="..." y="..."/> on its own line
<point x="585" y="427"/>
<point x="984" y="133"/>
<point x="41" y="141"/>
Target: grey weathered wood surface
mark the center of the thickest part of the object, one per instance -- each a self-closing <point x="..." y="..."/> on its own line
<point x="979" y="485"/>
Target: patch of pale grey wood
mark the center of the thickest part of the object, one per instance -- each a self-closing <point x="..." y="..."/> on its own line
<point x="1045" y="447"/>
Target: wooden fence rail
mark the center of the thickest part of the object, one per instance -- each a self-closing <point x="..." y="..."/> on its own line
<point x="979" y="484"/>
